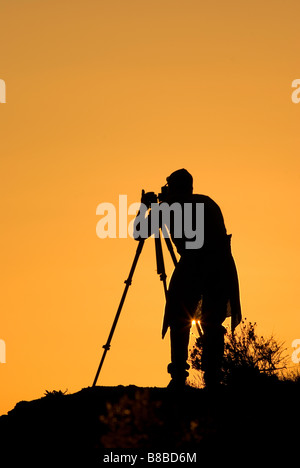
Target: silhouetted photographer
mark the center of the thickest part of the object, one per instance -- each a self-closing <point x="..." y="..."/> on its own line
<point x="204" y="285"/>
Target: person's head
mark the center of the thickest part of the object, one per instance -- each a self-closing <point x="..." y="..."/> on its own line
<point x="180" y="184"/>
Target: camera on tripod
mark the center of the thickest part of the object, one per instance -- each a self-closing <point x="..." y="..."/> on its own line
<point x="152" y="197"/>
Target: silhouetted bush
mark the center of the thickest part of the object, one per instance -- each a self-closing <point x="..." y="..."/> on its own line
<point x="247" y="356"/>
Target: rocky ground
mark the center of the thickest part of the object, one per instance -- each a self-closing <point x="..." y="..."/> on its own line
<point x="81" y="429"/>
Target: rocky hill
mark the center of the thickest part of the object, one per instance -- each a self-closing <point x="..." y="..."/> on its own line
<point x="99" y="422"/>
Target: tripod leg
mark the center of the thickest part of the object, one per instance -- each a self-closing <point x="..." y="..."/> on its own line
<point x="160" y="262"/>
<point x="171" y="250"/>
<point x="128" y="283"/>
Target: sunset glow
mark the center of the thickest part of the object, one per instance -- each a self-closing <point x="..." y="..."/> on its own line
<point x="108" y="98"/>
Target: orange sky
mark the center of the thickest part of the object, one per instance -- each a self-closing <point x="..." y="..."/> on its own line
<point x="109" y="97"/>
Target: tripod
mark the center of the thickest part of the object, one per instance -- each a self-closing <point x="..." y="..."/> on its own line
<point x="163" y="277"/>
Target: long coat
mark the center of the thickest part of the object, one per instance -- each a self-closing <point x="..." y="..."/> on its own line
<point x="205" y="281"/>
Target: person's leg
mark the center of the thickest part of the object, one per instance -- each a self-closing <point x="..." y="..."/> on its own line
<point x="179" y="335"/>
<point x="214" y="309"/>
<point x="212" y="353"/>
<point x="183" y="296"/>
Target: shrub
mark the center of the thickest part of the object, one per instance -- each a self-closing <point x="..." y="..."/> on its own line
<point x="247" y="356"/>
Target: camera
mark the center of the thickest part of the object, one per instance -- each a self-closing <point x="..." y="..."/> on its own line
<point x="148" y="198"/>
<point x="152" y="197"/>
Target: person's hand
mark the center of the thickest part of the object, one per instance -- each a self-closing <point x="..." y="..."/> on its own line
<point x="148" y="198"/>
